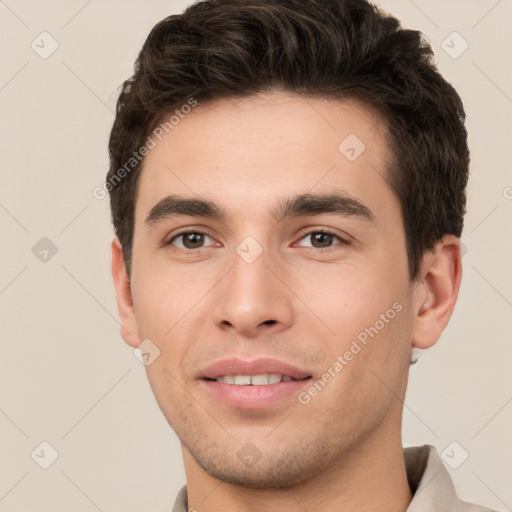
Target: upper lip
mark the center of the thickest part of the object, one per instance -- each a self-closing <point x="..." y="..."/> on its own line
<point x="259" y="366"/>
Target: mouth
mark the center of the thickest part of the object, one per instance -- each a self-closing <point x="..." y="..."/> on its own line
<point x="263" y="379"/>
<point x="256" y="384"/>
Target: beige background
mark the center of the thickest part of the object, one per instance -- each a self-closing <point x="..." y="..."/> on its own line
<point x="68" y="379"/>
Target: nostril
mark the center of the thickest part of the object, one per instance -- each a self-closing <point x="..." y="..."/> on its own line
<point x="269" y="322"/>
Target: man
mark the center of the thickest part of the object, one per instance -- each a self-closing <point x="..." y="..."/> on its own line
<point x="287" y="186"/>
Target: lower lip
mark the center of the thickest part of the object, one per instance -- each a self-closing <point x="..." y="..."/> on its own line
<point x="253" y="397"/>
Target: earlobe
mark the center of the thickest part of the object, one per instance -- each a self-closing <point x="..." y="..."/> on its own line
<point x="129" y="328"/>
<point x="437" y="295"/>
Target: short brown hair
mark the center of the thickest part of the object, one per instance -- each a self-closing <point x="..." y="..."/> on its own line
<point x="325" y="48"/>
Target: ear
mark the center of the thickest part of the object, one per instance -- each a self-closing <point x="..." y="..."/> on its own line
<point x="129" y="327"/>
<point x="437" y="293"/>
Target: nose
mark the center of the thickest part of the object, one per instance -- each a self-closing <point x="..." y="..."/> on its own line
<point x="252" y="299"/>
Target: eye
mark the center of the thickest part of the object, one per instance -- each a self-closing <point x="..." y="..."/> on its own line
<point x="190" y="240"/>
<point x="322" y="239"/>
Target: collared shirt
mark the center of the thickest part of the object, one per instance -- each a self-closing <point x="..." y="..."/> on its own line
<point x="430" y="483"/>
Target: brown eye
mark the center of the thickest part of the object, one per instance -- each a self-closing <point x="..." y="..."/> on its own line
<point x="190" y="240"/>
<point x="322" y="239"/>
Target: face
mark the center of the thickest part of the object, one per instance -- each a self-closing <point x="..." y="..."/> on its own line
<point x="279" y="299"/>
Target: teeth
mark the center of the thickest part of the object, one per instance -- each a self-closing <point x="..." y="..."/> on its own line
<point x="242" y="380"/>
<point x="274" y="378"/>
<point x="259" y="380"/>
<point x="255" y="380"/>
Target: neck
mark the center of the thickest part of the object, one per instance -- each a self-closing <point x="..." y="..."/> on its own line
<point x="370" y="477"/>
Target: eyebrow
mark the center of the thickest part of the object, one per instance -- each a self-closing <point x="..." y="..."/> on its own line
<point x="298" y="205"/>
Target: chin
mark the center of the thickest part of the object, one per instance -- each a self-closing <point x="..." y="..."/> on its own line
<point x="273" y="470"/>
<point x="265" y="478"/>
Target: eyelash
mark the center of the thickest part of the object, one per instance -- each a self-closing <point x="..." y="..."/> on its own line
<point x="199" y="232"/>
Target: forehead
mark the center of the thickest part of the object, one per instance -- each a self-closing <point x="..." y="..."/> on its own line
<point x="247" y="152"/>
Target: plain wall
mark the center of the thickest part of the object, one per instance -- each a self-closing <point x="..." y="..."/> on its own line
<point x="67" y="377"/>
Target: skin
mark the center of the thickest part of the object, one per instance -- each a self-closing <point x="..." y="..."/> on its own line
<point x="342" y="450"/>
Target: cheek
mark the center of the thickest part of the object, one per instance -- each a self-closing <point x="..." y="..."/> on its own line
<point x="164" y="296"/>
<point x="348" y="297"/>
<point x="365" y="371"/>
<point x="367" y="314"/>
<point x="171" y="306"/>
